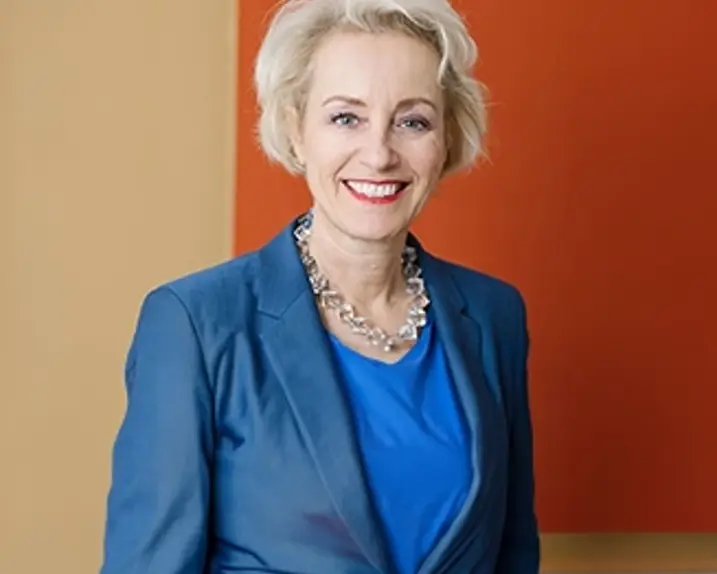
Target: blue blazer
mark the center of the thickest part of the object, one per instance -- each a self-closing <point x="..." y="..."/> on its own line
<point x="237" y="452"/>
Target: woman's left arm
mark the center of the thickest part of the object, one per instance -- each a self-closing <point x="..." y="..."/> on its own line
<point x="520" y="546"/>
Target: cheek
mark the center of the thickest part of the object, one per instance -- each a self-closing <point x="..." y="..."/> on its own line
<point x="323" y="163"/>
<point x="439" y="156"/>
<point x="429" y="157"/>
<point x="326" y="151"/>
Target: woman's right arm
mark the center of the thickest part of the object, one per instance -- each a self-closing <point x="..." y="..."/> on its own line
<point x="160" y="493"/>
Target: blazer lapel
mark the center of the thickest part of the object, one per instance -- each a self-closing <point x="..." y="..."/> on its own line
<point x="461" y="338"/>
<point x="297" y="345"/>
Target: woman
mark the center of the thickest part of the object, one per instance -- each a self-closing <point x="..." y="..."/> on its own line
<point x="315" y="406"/>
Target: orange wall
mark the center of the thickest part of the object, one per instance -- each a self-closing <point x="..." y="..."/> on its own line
<point x="601" y="205"/>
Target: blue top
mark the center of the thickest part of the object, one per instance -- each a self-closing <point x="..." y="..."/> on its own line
<point x="414" y="442"/>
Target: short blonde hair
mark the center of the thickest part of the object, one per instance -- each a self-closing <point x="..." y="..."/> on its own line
<point x="282" y="70"/>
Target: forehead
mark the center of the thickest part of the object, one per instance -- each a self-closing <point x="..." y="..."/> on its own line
<point x="374" y="66"/>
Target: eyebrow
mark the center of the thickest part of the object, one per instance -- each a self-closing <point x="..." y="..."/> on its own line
<point x="406" y="103"/>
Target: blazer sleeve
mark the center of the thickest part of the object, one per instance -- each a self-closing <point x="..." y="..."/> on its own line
<point x="158" y="500"/>
<point x="520" y="546"/>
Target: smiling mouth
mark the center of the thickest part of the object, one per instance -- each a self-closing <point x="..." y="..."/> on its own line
<point x="375" y="192"/>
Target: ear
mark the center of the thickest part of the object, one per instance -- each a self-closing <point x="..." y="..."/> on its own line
<point x="293" y="122"/>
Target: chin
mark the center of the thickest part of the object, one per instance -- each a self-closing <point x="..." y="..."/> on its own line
<point x="373" y="232"/>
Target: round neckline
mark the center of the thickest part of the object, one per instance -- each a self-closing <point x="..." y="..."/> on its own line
<point x="414" y="354"/>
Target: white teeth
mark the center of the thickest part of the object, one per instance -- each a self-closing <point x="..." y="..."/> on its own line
<point x="374" y="190"/>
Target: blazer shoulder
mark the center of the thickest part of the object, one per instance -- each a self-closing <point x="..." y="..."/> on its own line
<point x="216" y="281"/>
<point x="216" y="296"/>
<point x="486" y="294"/>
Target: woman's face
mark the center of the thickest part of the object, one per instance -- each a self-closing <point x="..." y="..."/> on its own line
<point x="372" y="137"/>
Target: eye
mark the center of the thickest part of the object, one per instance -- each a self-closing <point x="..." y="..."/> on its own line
<point x="415" y="123"/>
<point x="344" y="119"/>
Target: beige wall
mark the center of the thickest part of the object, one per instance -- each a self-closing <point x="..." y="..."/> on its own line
<point x="116" y="173"/>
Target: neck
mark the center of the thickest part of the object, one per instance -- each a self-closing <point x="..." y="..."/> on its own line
<point x="368" y="274"/>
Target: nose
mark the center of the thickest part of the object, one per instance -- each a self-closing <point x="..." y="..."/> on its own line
<point x="379" y="153"/>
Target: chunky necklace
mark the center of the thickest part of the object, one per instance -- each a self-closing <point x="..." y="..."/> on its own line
<point x="330" y="299"/>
